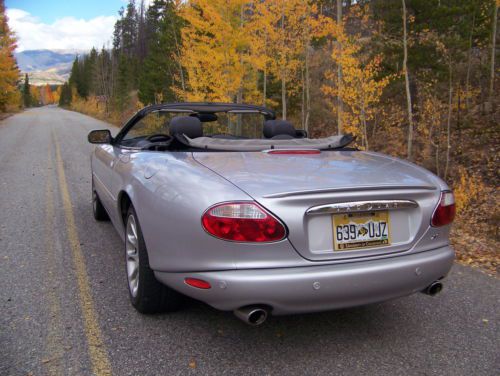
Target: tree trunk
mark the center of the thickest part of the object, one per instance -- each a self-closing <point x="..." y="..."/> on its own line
<point x="264" y="94"/>
<point x="264" y="90"/>
<point x="407" y="85"/>
<point x="493" y="46"/>
<point x="178" y="57"/>
<point x="339" y="74"/>
<point x="363" y="121"/>
<point x="305" y="125"/>
<point x="283" y="95"/>
<point x="303" y="100"/>
<point x="435" y="145"/>
<point x="469" y="58"/>
<point x="283" y="70"/>
<point x="308" y="92"/>
<point x="448" y="122"/>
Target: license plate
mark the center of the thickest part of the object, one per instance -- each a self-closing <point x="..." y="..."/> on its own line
<point x="353" y="231"/>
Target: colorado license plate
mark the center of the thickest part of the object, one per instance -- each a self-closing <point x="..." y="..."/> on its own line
<point x="353" y="231"/>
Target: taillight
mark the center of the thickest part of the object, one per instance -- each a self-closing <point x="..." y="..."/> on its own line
<point x="242" y="222"/>
<point x="445" y="211"/>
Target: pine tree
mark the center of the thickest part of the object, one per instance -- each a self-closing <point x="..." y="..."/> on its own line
<point x="66" y="95"/>
<point x="123" y="83"/>
<point x="88" y="71"/>
<point x="9" y="73"/>
<point x="160" y="67"/>
<point x="27" y="100"/>
<point x="103" y="81"/>
<point x="76" y="78"/>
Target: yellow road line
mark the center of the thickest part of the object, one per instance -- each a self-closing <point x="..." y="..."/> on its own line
<point x="97" y="351"/>
<point x="54" y="332"/>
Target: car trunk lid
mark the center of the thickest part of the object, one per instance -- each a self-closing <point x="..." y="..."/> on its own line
<point x="291" y="185"/>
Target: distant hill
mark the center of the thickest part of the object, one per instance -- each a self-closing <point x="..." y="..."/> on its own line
<point x="46" y="66"/>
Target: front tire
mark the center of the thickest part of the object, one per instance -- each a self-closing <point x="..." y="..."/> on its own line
<point x="147" y="295"/>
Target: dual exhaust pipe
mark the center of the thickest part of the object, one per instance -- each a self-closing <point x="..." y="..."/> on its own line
<point x="256" y="315"/>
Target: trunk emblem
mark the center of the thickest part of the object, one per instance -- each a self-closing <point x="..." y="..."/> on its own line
<point x="361" y="206"/>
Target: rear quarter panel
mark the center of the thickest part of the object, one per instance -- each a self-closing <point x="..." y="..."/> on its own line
<point x="170" y="192"/>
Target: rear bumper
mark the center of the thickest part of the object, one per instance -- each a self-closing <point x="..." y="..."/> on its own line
<point x="319" y="287"/>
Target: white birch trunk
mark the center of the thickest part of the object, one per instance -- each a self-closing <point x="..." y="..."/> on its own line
<point x="407" y="85"/>
<point x="339" y="75"/>
<point x="448" y="122"/>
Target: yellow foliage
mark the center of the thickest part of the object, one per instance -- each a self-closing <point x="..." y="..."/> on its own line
<point x="216" y="49"/>
<point x="228" y="43"/>
<point x="94" y="107"/>
<point x="359" y="88"/>
<point x="467" y="190"/>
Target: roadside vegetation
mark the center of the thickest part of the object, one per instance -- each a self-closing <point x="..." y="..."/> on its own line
<point x="15" y="93"/>
<point x="10" y="95"/>
<point x="411" y="78"/>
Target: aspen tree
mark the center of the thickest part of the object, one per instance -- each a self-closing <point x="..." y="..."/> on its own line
<point x="407" y="84"/>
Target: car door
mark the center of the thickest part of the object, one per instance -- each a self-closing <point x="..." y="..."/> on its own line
<point x="103" y="167"/>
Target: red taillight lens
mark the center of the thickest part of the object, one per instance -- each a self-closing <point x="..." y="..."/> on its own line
<point x="445" y="211"/>
<point x="242" y="222"/>
<point x="198" y="283"/>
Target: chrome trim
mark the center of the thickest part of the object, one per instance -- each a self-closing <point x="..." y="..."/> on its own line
<point x="288" y="148"/>
<point x="361" y="206"/>
<point x="349" y="189"/>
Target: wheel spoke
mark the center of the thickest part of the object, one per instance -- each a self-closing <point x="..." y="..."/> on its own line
<point x="132" y="227"/>
<point x="132" y="255"/>
<point x="132" y="269"/>
<point x="132" y="240"/>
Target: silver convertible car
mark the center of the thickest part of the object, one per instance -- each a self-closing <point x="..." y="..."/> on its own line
<point x="227" y="205"/>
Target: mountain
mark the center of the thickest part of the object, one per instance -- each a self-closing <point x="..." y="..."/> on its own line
<point x="46" y="66"/>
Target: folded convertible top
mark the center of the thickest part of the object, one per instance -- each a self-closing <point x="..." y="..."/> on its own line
<point x="333" y="142"/>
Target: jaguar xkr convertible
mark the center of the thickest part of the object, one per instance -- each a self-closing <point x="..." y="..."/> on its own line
<point x="227" y="205"/>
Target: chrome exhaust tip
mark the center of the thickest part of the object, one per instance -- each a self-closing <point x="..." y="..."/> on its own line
<point x="433" y="289"/>
<point x="252" y="315"/>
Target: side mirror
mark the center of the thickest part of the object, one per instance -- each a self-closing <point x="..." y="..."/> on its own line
<point x="100" y="136"/>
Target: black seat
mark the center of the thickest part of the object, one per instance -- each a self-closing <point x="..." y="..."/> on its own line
<point x="187" y="125"/>
<point x="279" y="129"/>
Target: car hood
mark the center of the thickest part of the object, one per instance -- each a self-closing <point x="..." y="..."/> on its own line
<point x="263" y="175"/>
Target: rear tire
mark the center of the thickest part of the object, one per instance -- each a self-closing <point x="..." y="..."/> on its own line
<point x="147" y="295"/>
<point x="100" y="213"/>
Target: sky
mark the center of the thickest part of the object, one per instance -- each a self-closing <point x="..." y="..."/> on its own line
<point x="63" y="24"/>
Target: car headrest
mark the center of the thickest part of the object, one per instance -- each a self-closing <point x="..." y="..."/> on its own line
<point x="274" y="128"/>
<point x="188" y="125"/>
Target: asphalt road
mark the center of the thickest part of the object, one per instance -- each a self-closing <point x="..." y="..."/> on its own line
<point x="64" y="308"/>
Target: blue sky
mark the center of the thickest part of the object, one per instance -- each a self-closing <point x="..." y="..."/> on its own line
<point x="50" y="11"/>
<point x="63" y="24"/>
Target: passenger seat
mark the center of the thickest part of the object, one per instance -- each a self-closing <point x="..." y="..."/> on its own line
<point x="188" y="125"/>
